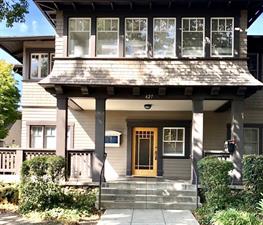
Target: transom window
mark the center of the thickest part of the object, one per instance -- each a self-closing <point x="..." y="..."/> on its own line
<point x="193" y="37"/>
<point x="39" y="65"/>
<point x="173" y="141"/>
<point x="251" y="140"/>
<point x="164" y="37"/>
<point x="136" y="37"/>
<point x="45" y="137"/>
<point x="79" y="36"/>
<point x="222" y="32"/>
<point x="107" y="37"/>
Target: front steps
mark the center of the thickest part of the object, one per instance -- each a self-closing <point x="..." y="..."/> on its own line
<point x="148" y="194"/>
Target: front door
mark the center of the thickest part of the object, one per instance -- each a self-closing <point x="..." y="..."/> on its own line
<point x="144" y="151"/>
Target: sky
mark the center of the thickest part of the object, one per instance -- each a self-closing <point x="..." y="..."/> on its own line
<point x="36" y="24"/>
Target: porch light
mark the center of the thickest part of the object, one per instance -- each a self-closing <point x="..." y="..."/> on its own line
<point x="148" y="106"/>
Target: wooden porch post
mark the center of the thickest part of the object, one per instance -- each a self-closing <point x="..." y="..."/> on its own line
<point x="99" y="138"/>
<point x="62" y="126"/>
<point x="197" y="134"/>
<point x="237" y="134"/>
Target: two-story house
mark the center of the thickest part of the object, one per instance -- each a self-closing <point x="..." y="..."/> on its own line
<point x="155" y="84"/>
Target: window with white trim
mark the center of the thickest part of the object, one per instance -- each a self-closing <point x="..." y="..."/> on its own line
<point x="251" y="140"/>
<point x="39" y="65"/>
<point x="44" y="136"/>
<point x="222" y="37"/>
<point x="52" y="56"/>
<point x="107" y="37"/>
<point x="79" y="36"/>
<point x="164" y="31"/>
<point x="193" y="30"/>
<point x="173" y="141"/>
<point x="136" y="37"/>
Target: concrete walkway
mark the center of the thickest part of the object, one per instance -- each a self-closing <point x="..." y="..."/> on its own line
<point x="147" y="217"/>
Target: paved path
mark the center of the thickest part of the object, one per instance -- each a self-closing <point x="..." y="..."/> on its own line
<point x="147" y="217"/>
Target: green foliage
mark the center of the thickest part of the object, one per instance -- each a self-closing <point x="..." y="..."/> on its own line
<point x="215" y="182"/>
<point x="9" y="97"/>
<point x="9" y="193"/>
<point x="235" y="217"/>
<point x="41" y="192"/>
<point x="49" y="168"/>
<point x="253" y="177"/>
<point x="13" y="11"/>
<point x="260" y="206"/>
<point x="204" y="215"/>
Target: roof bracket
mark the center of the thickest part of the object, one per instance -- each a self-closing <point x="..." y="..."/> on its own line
<point x="110" y="90"/>
<point x="162" y="91"/>
<point x="84" y="90"/>
<point x="241" y="91"/>
<point x="215" y="90"/>
<point x="59" y="89"/>
<point x="188" y="91"/>
<point x="136" y="91"/>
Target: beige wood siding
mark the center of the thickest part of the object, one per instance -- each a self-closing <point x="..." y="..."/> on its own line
<point x="59" y="43"/>
<point x="255" y="102"/>
<point x="34" y="95"/>
<point x="177" y="168"/>
<point x="243" y="33"/>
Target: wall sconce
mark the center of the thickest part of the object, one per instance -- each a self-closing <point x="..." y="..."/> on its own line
<point x="148" y="106"/>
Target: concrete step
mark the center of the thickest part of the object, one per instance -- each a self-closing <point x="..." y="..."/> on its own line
<point x="147" y="205"/>
<point x="150" y="185"/>
<point x="148" y="198"/>
<point x="152" y="191"/>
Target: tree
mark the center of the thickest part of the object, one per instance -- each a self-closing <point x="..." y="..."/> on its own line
<point x="9" y="98"/>
<point x="13" y="11"/>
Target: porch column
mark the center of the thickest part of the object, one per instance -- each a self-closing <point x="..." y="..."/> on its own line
<point x="237" y="134"/>
<point x="99" y="138"/>
<point x="197" y="134"/>
<point x="62" y="126"/>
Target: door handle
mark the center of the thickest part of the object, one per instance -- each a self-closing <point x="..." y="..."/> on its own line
<point x="156" y="155"/>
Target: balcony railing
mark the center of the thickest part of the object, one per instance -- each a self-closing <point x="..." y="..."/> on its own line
<point x="79" y="161"/>
<point x="222" y="155"/>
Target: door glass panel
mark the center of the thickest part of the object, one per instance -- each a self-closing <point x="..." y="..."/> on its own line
<point x="144" y="150"/>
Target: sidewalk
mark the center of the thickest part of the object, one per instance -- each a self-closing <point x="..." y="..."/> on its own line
<point x="147" y="217"/>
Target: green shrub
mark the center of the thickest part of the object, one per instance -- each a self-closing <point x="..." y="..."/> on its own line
<point x="39" y="187"/>
<point x="51" y="167"/>
<point x="253" y="177"/>
<point x="260" y="205"/>
<point x="235" y="217"/>
<point x="204" y="215"/>
<point x="9" y="193"/>
<point x="215" y="182"/>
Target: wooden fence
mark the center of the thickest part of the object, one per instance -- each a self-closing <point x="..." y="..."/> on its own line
<point x="79" y="161"/>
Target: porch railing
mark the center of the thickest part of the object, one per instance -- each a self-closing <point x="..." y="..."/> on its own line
<point x="79" y="161"/>
<point x="222" y="155"/>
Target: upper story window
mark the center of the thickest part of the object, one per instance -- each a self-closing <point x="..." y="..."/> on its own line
<point x="164" y="37"/>
<point x="222" y="32"/>
<point x="107" y="37"/>
<point x="39" y="65"/>
<point x="136" y="37"/>
<point x="173" y="141"/>
<point x="79" y="36"/>
<point x="193" y="37"/>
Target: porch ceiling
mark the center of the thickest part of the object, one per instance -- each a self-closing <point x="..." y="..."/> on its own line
<point x="138" y="105"/>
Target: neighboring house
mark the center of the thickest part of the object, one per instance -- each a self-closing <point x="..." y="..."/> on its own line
<point x="13" y="139"/>
<point x="167" y="81"/>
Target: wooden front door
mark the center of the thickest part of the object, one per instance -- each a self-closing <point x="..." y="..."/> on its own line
<point x="144" y="151"/>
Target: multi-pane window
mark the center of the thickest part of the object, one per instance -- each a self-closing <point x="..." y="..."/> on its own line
<point x="136" y="37"/>
<point x="39" y="65"/>
<point x="222" y="32"/>
<point x="79" y="36"/>
<point x="45" y="137"/>
<point x="193" y="37"/>
<point x="251" y="140"/>
<point x="52" y="55"/>
<point x="164" y="37"/>
<point x="173" y="141"/>
<point x="107" y="37"/>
